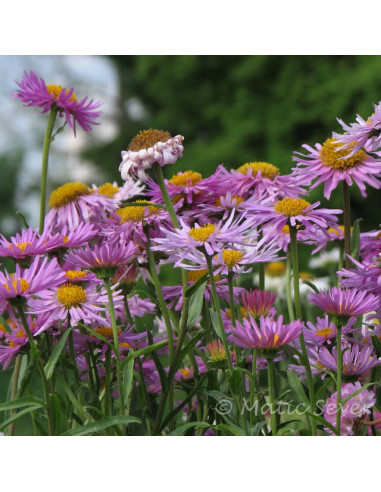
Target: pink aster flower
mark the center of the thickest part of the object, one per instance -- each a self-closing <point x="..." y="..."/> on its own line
<point x="366" y="276"/>
<point x="267" y="333"/>
<point x="35" y="92"/>
<point x="147" y="147"/>
<point x="87" y="304"/>
<point x="130" y="189"/>
<point x="73" y="203"/>
<point x="294" y="212"/>
<point x="212" y="237"/>
<point x="29" y="281"/>
<point x="102" y="256"/>
<point x="324" y="331"/>
<point x="353" y="410"/>
<point x="259" y="302"/>
<point x="72" y="237"/>
<point x="260" y="179"/>
<point x="370" y="245"/>
<point x="364" y="133"/>
<point x="344" y="302"/>
<point x="128" y="223"/>
<point x="326" y="164"/>
<point x="357" y="360"/>
<point x="28" y="243"/>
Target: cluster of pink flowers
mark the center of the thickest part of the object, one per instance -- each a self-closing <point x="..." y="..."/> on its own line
<point x="102" y="246"/>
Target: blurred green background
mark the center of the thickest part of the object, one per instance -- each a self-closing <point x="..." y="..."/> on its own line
<point x="231" y="110"/>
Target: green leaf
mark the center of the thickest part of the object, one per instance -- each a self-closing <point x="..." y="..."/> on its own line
<point x="55" y="405"/>
<point x="100" y="425"/>
<point x="59" y="130"/>
<point x="51" y="364"/>
<point x="215" y="323"/>
<point x="297" y="388"/>
<point x="195" y="306"/>
<point x="21" y="402"/>
<point x="144" y="351"/>
<point x="319" y="418"/>
<point x="18" y="415"/>
<point x="235" y="381"/>
<point x="196" y="285"/>
<point x="25" y="223"/>
<point x="312" y="285"/>
<point x="183" y="428"/>
<point x="128" y="376"/>
<point x="234" y="430"/>
<point x="186" y="349"/>
<point x="347" y="398"/>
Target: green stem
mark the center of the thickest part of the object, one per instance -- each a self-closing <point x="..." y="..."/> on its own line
<point x="45" y="160"/>
<point x="261" y="268"/>
<point x="217" y="308"/>
<point x="339" y="375"/>
<point x="15" y="380"/>
<point x="347" y="223"/>
<point x="163" y="307"/>
<point x="298" y="312"/>
<point x="128" y="312"/>
<point x="108" y="400"/>
<point x="288" y="287"/>
<point x="253" y="383"/>
<point x="270" y="373"/>
<point x="111" y="311"/>
<point x="35" y="353"/>
<point x="231" y="298"/>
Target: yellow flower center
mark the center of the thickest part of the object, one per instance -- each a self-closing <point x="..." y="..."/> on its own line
<point x="244" y="312"/>
<point x="136" y="213"/>
<point x="194" y="275"/>
<point x="55" y="90"/>
<point x="148" y="138"/>
<point x="306" y="276"/>
<point x="18" y="284"/>
<point x="189" y="178"/>
<point x="108" y="189"/>
<point x="21" y="246"/>
<point x="105" y="331"/>
<point x="336" y="230"/>
<point x="291" y="206"/>
<point x="75" y="274"/>
<point x="125" y="345"/>
<point x="267" y="170"/>
<point x="275" y="268"/>
<point x="185" y="372"/>
<point x="71" y="295"/>
<point x="202" y="233"/>
<point x="276" y="338"/>
<point x="333" y="158"/>
<point x="20" y="334"/>
<point x="325" y="332"/>
<point x="231" y="257"/>
<point x="238" y="199"/>
<point x="68" y="193"/>
<point x="285" y="229"/>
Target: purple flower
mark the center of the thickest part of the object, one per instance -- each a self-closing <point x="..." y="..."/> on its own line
<point x="35" y="92"/>
<point x="363" y="133"/>
<point x="353" y="410"/>
<point x="292" y="211"/>
<point x="357" y="360"/>
<point x="267" y="333"/>
<point x="345" y="302"/>
<point x="330" y="163"/>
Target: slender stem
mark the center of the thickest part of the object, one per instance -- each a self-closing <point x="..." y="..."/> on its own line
<point x="128" y="312"/>
<point x="288" y="287"/>
<point x="261" y="267"/>
<point x="253" y="382"/>
<point x="339" y="374"/>
<point x="347" y="223"/>
<point x="45" y="160"/>
<point x="15" y="380"/>
<point x="270" y="373"/>
<point x="163" y="307"/>
<point x="35" y="353"/>
<point x="111" y="310"/>
<point x="298" y="312"/>
<point x="231" y="298"/>
<point x="217" y="308"/>
<point x="108" y="400"/>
